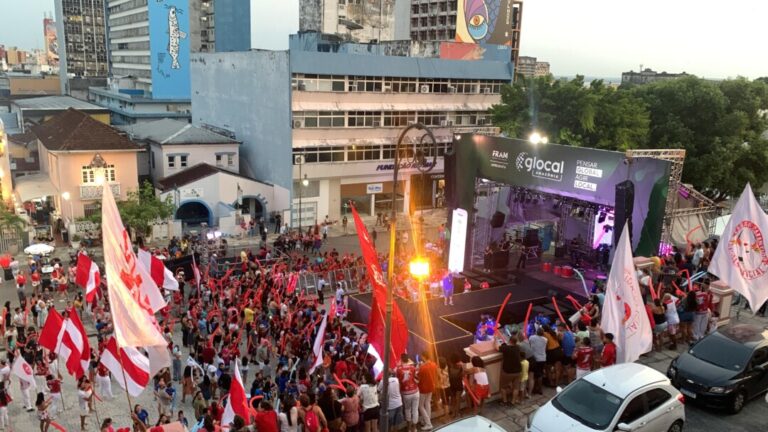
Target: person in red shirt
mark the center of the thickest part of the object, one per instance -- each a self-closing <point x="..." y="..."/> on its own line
<point x="54" y="387"/>
<point x="427" y="377"/>
<point x="583" y="356"/>
<point x="265" y="418"/>
<point x="701" y="316"/>
<point x="609" y="351"/>
<point x="409" y="391"/>
<point x="35" y="278"/>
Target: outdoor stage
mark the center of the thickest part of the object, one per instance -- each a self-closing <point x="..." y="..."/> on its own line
<point x="454" y="326"/>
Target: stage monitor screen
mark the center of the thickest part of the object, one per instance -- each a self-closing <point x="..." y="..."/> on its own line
<point x="604" y="223"/>
<point x="458" y="241"/>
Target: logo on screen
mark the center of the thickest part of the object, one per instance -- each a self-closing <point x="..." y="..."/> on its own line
<point x="540" y="168"/>
<point x="499" y="159"/>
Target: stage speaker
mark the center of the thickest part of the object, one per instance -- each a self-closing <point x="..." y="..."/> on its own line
<point x="625" y="200"/>
<point x="559" y="251"/>
<point x="497" y="220"/>
<point x="458" y="284"/>
<point x="531" y="238"/>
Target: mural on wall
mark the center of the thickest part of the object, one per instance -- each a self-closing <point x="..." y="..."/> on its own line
<point x="485" y="21"/>
<point x="169" y="43"/>
<point x="51" y="42"/>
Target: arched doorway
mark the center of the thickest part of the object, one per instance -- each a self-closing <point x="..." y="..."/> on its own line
<point x="254" y="207"/>
<point x="194" y="213"/>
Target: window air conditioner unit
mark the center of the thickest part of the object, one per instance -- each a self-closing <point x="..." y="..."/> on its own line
<point x="302" y="86"/>
<point x="353" y="87"/>
<point x="387" y="89"/>
<point x="451" y="89"/>
<point x="424" y="89"/>
<point x="487" y="90"/>
<point x="377" y="123"/>
<point x="444" y="123"/>
<point x="297" y="124"/>
<point x="298" y="159"/>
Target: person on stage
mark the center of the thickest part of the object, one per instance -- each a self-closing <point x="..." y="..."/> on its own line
<point x="448" y="288"/>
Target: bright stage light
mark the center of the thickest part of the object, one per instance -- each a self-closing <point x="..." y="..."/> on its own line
<point x="537" y="138"/>
<point x="419" y="268"/>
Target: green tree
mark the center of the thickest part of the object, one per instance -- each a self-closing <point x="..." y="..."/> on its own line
<point x="720" y="125"/>
<point x="141" y="208"/>
<point x="10" y="220"/>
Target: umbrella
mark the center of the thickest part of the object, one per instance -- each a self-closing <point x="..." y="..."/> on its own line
<point x="5" y="261"/>
<point x="39" y="249"/>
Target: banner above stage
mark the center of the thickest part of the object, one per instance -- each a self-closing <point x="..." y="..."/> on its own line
<point x="577" y="172"/>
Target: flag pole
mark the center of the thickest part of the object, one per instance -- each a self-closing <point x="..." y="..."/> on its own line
<point x="125" y="380"/>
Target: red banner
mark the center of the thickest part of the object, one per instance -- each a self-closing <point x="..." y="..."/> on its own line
<point x="399" y="340"/>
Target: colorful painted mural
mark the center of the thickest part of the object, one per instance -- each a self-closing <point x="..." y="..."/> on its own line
<point x="485" y="21"/>
<point x="170" y="47"/>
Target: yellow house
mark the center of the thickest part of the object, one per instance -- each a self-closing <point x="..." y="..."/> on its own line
<point x="68" y="143"/>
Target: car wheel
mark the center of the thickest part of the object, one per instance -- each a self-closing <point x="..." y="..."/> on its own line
<point x="739" y="399"/>
<point x="676" y="426"/>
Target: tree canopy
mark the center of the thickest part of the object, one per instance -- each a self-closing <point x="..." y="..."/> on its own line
<point x="141" y="208"/>
<point x="721" y="125"/>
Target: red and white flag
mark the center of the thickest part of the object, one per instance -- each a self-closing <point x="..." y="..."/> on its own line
<point x="741" y="259"/>
<point x="23" y="370"/>
<point x="237" y="403"/>
<point x="161" y="274"/>
<point x="128" y="282"/>
<point x="399" y="335"/>
<point x="130" y="361"/>
<point x="624" y="312"/>
<point x="67" y="338"/>
<point x="196" y="272"/>
<point x="317" y="347"/>
<point x="87" y="276"/>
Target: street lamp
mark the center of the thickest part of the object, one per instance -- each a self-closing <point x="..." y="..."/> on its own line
<point x="537" y="138"/>
<point x="423" y="147"/>
<point x="299" y="160"/>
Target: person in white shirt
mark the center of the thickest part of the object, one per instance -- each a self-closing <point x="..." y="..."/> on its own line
<point x="698" y="254"/>
<point x="539" y="347"/>
<point x="84" y="394"/>
<point x="5" y="373"/>
<point x="369" y="398"/>
<point x="395" y="405"/>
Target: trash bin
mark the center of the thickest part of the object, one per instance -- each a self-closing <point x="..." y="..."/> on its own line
<point x="65" y="236"/>
<point x="7" y="274"/>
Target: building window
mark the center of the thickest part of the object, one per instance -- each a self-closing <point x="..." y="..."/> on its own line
<point x="88" y="174"/>
<point x="152" y="160"/>
<point x="171" y="161"/>
<point x="219" y="159"/>
<point x="183" y="161"/>
<point x="230" y="160"/>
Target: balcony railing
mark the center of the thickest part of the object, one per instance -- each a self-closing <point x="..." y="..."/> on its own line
<point x="93" y="192"/>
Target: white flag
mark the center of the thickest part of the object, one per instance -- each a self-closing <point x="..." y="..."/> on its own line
<point x="129" y="366"/>
<point x="23" y="370"/>
<point x="317" y="347"/>
<point x="128" y="282"/>
<point x="741" y="258"/>
<point x="624" y="312"/>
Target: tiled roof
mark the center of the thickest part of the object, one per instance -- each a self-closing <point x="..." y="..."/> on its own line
<point x="192" y="174"/>
<point x="74" y="130"/>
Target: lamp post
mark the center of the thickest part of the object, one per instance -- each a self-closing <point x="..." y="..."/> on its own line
<point x="299" y="160"/>
<point x="421" y="149"/>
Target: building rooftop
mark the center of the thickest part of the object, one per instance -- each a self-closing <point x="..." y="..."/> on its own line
<point x="74" y="130"/>
<point x="169" y="131"/>
<point x="197" y="172"/>
<point x="56" y="103"/>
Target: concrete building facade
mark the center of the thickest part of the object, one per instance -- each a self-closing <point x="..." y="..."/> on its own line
<point x="347" y="103"/>
<point x="356" y="20"/>
<point x="219" y="25"/>
<point x="647" y="75"/>
<point x="532" y="67"/>
<point x="81" y="31"/>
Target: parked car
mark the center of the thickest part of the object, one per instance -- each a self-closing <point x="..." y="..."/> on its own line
<point x="725" y="369"/>
<point x="624" y="397"/>
<point x="471" y="424"/>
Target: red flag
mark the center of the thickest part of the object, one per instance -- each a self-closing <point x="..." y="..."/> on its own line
<point x="87" y="276"/>
<point x="238" y="402"/>
<point x="399" y="336"/>
<point x="129" y="360"/>
<point x="67" y="338"/>
<point x="161" y="274"/>
<point x="49" y="335"/>
<point x="317" y="346"/>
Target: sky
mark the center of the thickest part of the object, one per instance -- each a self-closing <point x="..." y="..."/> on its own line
<point x="599" y="38"/>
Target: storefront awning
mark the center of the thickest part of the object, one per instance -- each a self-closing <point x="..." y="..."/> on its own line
<point x="34" y="186"/>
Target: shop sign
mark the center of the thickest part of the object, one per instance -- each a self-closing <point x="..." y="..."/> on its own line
<point x="374" y="188"/>
<point x="191" y="193"/>
<point x="404" y="165"/>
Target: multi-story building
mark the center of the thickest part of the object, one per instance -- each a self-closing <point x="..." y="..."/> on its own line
<point x="338" y="117"/>
<point x="149" y="44"/>
<point x="357" y="20"/>
<point x="531" y="67"/>
<point x="542" y="69"/>
<point x="16" y="57"/>
<point x="441" y="20"/>
<point x="648" y="75"/>
<point x="219" y="25"/>
<point x="81" y="31"/>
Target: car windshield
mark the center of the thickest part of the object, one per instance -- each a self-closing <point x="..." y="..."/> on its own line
<point x="587" y="403"/>
<point x="721" y="351"/>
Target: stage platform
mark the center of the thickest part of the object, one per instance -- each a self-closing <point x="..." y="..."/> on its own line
<point x="454" y="326"/>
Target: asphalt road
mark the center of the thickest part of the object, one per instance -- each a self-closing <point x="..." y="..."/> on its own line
<point x="753" y="418"/>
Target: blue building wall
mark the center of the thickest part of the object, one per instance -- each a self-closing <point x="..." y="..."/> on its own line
<point x="169" y="48"/>
<point x="248" y="93"/>
<point x="233" y="25"/>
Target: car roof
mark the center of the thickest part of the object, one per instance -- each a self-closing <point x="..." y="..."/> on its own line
<point x="471" y="424"/>
<point x="623" y="379"/>
<point x="745" y="334"/>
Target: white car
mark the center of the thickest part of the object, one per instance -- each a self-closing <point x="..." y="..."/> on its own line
<point x="625" y="397"/>
<point x="471" y="424"/>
